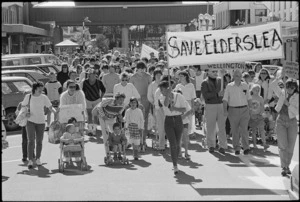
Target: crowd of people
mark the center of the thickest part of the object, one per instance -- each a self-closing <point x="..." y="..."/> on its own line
<point x="129" y="90"/>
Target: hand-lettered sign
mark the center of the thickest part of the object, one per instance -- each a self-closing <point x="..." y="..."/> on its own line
<point x="262" y="42"/>
<point x="291" y="69"/>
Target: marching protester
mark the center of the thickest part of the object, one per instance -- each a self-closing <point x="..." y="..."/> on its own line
<point x="141" y="80"/>
<point x="36" y="122"/>
<point x="286" y="124"/>
<point x="236" y="102"/>
<point x="174" y="104"/>
<point x="93" y="90"/>
<point x="214" y="113"/>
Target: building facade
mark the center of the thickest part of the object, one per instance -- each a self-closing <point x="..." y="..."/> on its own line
<point x="18" y="35"/>
<point x="238" y="13"/>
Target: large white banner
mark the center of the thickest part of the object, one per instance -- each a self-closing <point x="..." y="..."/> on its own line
<point x="146" y="50"/>
<point x="236" y="45"/>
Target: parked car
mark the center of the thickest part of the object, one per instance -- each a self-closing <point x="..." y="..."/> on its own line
<point x="4" y="142"/>
<point x="46" y="68"/>
<point x="32" y="75"/>
<point x="14" y="90"/>
<point x="29" y="59"/>
<point x="272" y="69"/>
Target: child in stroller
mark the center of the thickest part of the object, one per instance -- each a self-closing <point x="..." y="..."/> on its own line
<point x="71" y="145"/>
<point x="116" y="142"/>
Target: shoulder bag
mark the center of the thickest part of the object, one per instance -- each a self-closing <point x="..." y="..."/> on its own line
<point x="21" y="119"/>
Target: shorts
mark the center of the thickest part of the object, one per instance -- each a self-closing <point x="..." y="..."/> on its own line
<point x="256" y="122"/>
<point x="92" y="104"/>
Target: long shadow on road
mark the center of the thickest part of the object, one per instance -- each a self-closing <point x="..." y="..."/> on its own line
<point x="182" y="161"/>
<point x="39" y="171"/>
<point x="183" y="178"/>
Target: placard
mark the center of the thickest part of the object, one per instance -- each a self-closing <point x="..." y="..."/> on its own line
<point x="68" y="111"/>
<point x="291" y="69"/>
<point x="253" y="43"/>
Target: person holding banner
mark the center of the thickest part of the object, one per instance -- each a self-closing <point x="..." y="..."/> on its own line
<point x="286" y="124"/>
<point x="237" y="100"/>
<point x="174" y="105"/>
<point x="214" y="114"/>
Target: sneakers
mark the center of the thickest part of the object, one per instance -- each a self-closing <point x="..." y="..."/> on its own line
<point x="176" y="170"/>
<point x="211" y="150"/>
<point x="266" y="146"/>
<point x="284" y="171"/>
<point x="120" y="156"/>
<point x="246" y="151"/>
<point x="47" y="128"/>
<point x="24" y="160"/>
<point x="237" y="152"/>
<point x="222" y="150"/>
<point x="30" y="164"/>
<point x="187" y="157"/>
<point x="288" y="171"/>
<point x="38" y="162"/>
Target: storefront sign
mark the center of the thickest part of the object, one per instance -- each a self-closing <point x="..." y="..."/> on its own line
<point x="291" y="69"/>
<point x="263" y="42"/>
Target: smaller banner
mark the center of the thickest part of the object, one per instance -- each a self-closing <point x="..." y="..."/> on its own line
<point x="146" y="50"/>
<point x="291" y="69"/>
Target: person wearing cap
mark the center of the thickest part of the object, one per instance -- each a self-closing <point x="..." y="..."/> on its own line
<point x="94" y="90"/>
<point x="111" y="79"/>
<point x="141" y="80"/>
<point x="107" y="111"/>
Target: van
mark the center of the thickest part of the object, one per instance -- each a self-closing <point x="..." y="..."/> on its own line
<point x="29" y="59"/>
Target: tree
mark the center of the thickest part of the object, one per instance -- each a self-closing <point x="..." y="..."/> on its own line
<point x="101" y="42"/>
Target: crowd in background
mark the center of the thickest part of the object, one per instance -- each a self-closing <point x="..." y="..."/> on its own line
<point x="226" y="104"/>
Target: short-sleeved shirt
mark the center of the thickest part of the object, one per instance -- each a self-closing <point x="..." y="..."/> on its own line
<point x="188" y="90"/>
<point x="37" y="105"/>
<point x="237" y="96"/>
<point x="178" y="101"/>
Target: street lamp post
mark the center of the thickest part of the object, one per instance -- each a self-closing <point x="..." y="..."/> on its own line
<point x="86" y="19"/>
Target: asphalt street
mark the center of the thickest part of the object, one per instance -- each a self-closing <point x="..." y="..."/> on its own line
<point x="205" y="177"/>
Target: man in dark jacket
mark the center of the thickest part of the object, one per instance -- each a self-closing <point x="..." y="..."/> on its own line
<point x="212" y="94"/>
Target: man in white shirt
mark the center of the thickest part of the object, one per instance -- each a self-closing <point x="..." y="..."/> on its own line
<point x="236" y="102"/>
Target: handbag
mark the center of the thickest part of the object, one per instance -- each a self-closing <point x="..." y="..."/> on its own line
<point x="21" y="119"/>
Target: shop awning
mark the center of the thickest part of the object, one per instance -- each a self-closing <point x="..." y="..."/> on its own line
<point x="67" y="42"/>
<point x="25" y="29"/>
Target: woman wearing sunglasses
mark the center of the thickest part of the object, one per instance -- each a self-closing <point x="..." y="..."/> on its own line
<point x="286" y="124"/>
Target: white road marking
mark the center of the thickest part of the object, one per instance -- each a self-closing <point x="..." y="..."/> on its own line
<point x="11" y="161"/>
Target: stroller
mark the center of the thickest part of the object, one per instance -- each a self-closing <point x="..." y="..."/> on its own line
<point x="72" y="151"/>
<point x="108" y="160"/>
<point x="75" y="150"/>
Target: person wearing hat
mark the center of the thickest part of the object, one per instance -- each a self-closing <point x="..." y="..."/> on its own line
<point x="94" y="90"/>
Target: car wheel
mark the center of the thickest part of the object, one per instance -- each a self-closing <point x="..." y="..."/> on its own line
<point x="11" y="116"/>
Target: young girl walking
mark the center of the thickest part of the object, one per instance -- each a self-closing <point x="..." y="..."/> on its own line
<point x="134" y="122"/>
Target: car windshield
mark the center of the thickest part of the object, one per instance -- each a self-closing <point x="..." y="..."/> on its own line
<point x="22" y="86"/>
<point x="33" y="61"/>
<point x="5" y="88"/>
